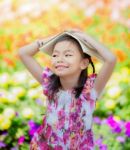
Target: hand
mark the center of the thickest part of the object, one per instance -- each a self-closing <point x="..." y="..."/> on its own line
<point x="41" y="42"/>
<point x="89" y="40"/>
<point x="72" y="30"/>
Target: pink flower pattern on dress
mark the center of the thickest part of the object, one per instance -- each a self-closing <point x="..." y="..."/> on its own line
<point x="68" y="121"/>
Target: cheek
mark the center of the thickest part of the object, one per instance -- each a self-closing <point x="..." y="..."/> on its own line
<point x="74" y="60"/>
<point x="53" y="61"/>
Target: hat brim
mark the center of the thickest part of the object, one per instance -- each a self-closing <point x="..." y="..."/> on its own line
<point x="86" y="47"/>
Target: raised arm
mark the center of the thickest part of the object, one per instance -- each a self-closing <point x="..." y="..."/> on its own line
<point x="109" y="61"/>
<point x="26" y="54"/>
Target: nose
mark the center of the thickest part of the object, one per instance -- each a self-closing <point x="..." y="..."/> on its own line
<point x="59" y="59"/>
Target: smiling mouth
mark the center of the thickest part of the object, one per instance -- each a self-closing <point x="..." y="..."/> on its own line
<point x="61" y="67"/>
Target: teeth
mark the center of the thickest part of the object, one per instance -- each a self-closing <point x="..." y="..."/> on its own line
<point x="61" y="67"/>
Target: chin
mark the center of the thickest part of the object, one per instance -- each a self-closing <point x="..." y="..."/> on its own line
<point x="62" y="73"/>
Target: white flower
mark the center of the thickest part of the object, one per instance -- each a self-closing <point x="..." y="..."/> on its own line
<point x="114" y="92"/>
<point x="27" y="113"/>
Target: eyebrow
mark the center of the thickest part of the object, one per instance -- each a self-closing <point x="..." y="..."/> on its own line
<point x="68" y="50"/>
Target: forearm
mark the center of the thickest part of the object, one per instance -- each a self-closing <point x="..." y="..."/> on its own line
<point x="107" y="55"/>
<point x="32" y="48"/>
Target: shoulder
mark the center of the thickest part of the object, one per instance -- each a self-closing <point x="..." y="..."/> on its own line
<point x="90" y="80"/>
<point x="92" y="76"/>
<point x="46" y="72"/>
<point x="93" y="92"/>
<point x="88" y="92"/>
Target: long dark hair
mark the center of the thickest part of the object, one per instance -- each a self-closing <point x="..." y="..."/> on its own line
<point x="54" y="79"/>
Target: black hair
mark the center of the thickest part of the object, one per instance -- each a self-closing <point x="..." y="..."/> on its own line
<point x="55" y="80"/>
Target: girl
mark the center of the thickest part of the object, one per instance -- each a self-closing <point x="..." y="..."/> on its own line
<point x="71" y="92"/>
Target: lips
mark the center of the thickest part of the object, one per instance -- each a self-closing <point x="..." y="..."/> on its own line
<point x="61" y="66"/>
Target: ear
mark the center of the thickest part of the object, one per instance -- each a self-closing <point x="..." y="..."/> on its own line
<point x="84" y="63"/>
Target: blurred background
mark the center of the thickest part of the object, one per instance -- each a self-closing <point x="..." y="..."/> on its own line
<point x="22" y="104"/>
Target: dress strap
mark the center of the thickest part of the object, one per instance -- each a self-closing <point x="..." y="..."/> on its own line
<point x="88" y="92"/>
<point x="46" y="80"/>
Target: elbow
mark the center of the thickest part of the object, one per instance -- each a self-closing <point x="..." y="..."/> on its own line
<point x="112" y="59"/>
<point x="21" y="52"/>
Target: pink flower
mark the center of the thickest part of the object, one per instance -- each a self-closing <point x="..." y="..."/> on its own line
<point x="66" y="135"/>
<point x="21" y="140"/>
<point x="48" y="131"/>
<point x="115" y="126"/>
<point x="103" y="147"/>
<point x="33" y="127"/>
<point x="58" y="148"/>
<point x="121" y="139"/>
<point x="61" y="113"/>
<point x="44" y="145"/>
<point x="127" y="127"/>
<point x="97" y="120"/>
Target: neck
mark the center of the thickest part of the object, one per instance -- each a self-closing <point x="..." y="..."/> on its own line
<point x="69" y="83"/>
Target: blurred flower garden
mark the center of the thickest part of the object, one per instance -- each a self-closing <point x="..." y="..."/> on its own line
<point x="22" y="104"/>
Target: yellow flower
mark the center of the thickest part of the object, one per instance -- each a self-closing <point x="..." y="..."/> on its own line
<point x="4" y="79"/>
<point x="33" y="83"/>
<point x="1" y="118"/>
<point x="117" y="118"/>
<point x="18" y="91"/>
<point x="9" y="113"/>
<point x="3" y="96"/>
<point x="5" y="124"/>
<point x="125" y="72"/>
<point x="19" y="133"/>
<point x="27" y="113"/>
<point x="11" y="98"/>
<point x="110" y="104"/>
<point x="33" y="93"/>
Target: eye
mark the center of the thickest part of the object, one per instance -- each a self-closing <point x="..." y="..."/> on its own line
<point x="68" y="55"/>
<point x="54" y="55"/>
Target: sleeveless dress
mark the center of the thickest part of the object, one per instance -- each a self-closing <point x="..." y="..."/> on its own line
<point x="67" y="124"/>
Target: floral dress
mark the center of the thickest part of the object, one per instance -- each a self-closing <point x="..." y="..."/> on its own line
<point x="67" y="124"/>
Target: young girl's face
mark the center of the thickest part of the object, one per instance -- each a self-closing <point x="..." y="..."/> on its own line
<point x="67" y="60"/>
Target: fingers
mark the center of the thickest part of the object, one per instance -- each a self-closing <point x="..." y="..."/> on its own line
<point x="76" y="30"/>
<point x="68" y="30"/>
<point x="73" y="30"/>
